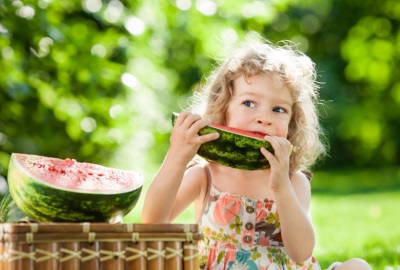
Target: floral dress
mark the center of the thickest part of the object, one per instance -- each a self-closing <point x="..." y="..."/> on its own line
<point x="243" y="233"/>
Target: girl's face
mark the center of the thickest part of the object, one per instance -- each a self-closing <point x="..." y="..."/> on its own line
<point x="262" y="104"/>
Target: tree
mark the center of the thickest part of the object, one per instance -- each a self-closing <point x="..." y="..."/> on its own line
<point x="97" y="80"/>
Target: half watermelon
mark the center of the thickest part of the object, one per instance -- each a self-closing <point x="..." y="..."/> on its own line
<point x="234" y="148"/>
<point x="55" y="190"/>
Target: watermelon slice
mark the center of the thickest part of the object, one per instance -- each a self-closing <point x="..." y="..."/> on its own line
<point x="234" y="148"/>
<point x="55" y="190"/>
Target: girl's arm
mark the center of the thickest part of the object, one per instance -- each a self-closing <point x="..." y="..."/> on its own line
<point x="293" y="208"/>
<point x="293" y="199"/>
<point x="167" y="197"/>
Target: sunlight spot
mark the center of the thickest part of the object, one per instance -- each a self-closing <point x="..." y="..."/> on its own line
<point x="310" y="24"/>
<point x="375" y="211"/>
<point x="44" y="46"/>
<point x="115" y="111"/>
<point x="255" y="8"/>
<point x="88" y="124"/>
<point x="123" y="41"/>
<point x="92" y="5"/>
<point x="3" y="138"/>
<point x="146" y="138"/>
<point x="134" y="25"/>
<point x="281" y="23"/>
<point x="184" y="4"/>
<point x="229" y="36"/>
<point x="114" y="11"/>
<point x="3" y="30"/>
<point x="43" y="3"/>
<point x="72" y="108"/>
<point x="207" y="7"/>
<point x="302" y="42"/>
<point x="99" y="50"/>
<point x="17" y="3"/>
<point x="160" y="81"/>
<point x="129" y="80"/>
<point x="8" y="53"/>
<point x="371" y="132"/>
<point x="379" y="72"/>
<point x="115" y="135"/>
<point x="26" y="12"/>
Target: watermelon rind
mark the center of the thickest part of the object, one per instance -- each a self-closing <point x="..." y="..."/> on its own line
<point x="43" y="202"/>
<point x="233" y="149"/>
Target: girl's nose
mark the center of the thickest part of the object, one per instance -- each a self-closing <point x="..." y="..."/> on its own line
<point x="264" y="120"/>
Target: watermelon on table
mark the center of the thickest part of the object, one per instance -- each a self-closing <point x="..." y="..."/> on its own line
<point x="234" y="148"/>
<point x="49" y="189"/>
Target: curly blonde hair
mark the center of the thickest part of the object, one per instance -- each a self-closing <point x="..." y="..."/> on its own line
<point x="295" y="70"/>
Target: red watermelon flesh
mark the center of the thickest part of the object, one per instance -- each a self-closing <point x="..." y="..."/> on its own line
<point x="251" y="134"/>
<point x="78" y="176"/>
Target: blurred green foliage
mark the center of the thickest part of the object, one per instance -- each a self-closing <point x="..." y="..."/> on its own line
<point x="97" y="80"/>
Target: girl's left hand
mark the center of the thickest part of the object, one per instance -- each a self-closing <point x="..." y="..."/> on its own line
<point x="279" y="161"/>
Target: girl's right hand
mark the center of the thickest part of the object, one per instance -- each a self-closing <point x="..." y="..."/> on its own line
<point x="185" y="140"/>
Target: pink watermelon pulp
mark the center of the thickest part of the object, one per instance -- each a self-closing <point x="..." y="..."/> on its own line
<point x="51" y="189"/>
<point x="81" y="177"/>
<point x="238" y="131"/>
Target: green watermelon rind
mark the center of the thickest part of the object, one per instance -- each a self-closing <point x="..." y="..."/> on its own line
<point x="45" y="203"/>
<point x="233" y="149"/>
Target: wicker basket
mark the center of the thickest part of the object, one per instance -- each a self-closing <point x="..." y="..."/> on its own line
<point x="98" y="246"/>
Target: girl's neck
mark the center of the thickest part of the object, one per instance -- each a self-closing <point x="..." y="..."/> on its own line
<point x="236" y="172"/>
<point x="251" y="184"/>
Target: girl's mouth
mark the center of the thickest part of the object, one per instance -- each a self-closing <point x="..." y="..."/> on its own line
<point x="260" y="134"/>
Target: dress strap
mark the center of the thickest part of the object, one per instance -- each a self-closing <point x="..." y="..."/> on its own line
<point x="208" y="183"/>
<point x="206" y="198"/>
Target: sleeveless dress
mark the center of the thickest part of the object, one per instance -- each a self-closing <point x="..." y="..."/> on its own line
<point x="243" y="233"/>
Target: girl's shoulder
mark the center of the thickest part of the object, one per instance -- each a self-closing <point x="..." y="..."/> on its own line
<point x="196" y="168"/>
<point x="197" y="174"/>
<point x="301" y="184"/>
<point x="302" y="175"/>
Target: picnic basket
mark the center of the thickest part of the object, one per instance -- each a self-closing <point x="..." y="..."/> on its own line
<point x="98" y="246"/>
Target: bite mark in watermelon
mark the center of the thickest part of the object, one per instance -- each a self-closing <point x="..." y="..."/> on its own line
<point x="234" y="148"/>
<point x="56" y="190"/>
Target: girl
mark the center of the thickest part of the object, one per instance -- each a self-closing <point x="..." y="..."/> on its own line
<point x="249" y="219"/>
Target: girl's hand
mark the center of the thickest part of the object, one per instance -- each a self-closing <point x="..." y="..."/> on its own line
<point x="279" y="161"/>
<point x="185" y="140"/>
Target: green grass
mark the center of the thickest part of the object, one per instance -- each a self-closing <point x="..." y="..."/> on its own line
<point x="355" y="214"/>
<point x="361" y="225"/>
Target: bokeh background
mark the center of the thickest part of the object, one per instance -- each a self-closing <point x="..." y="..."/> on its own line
<point x="97" y="81"/>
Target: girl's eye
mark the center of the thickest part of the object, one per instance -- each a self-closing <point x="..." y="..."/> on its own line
<point x="279" y="110"/>
<point x="249" y="104"/>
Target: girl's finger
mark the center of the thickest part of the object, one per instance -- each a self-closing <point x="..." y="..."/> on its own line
<point x="281" y="146"/>
<point x="199" y="124"/>
<point x="190" y="120"/>
<point x="207" y="138"/>
<point x="181" y="118"/>
<point x="267" y="154"/>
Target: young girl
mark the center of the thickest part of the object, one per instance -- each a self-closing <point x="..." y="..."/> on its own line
<point x="250" y="219"/>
